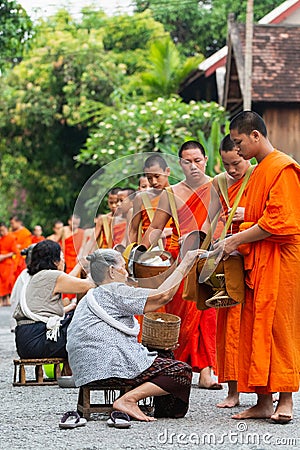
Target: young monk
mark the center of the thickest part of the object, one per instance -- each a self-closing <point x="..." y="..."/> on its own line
<point x="100" y="235"/>
<point x="23" y="238"/>
<point x="8" y="249"/>
<point x="270" y="321"/>
<point x="122" y="216"/>
<point x="197" y="340"/>
<point x="157" y="173"/>
<point x="143" y="183"/>
<point x="144" y="205"/>
<point x="228" y="319"/>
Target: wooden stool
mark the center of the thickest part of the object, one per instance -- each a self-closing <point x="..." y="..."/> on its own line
<point x="111" y="391"/>
<point x="20" y="374"/>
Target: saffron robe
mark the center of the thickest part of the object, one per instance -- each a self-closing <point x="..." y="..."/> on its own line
<point x="23" y="238"/>
<point x="37" y="239"/>
<point x="8" y="244"/>
<point x="71" y="247"/>
<point x="197" y="338"/>
<point x="228" y="319"/>
<point x="269" y="359"/>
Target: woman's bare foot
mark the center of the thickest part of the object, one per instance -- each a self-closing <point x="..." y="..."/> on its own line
<point x="284" y="410"/>
<point x="232" y="398"/>
<point x="206" y="381"/>
<point x="262" y="410"/>
<point x="132" y="409"/>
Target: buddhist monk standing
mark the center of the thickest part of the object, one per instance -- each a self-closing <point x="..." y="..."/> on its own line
<point x="270" y="322"/>
<point x="23" y="238"/>
<point x="197" y="339"/>
<point x="227" y="186"/>
<point x="71" y="242"/>
<point x="8" y="249"/>
<point x="144" y="205"/>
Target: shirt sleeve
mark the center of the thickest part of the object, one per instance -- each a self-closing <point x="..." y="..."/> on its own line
<point x="282" y="213"/>
<point x="130" y="300"/>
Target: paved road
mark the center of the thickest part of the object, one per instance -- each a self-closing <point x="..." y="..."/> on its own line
<point x="29" y="420"/>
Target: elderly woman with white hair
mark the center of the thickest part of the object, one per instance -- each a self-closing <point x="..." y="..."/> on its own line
<point x="102" y="338"/>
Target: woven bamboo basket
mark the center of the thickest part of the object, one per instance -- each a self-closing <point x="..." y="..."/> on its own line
<point x="160" y="334"/>
<point x="152" y="276"/>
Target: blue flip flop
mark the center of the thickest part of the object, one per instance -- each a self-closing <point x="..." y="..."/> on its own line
<point x="119" y="419"/>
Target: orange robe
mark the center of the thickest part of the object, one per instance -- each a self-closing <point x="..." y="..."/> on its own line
<point x="37" y="239"/>
<point x="228" y="319"/>
<point x="71" y="247"/>
<point x="119" y="230"/>
<point x="8" y="244"/>
<point x="197" y="339"/>
<point x="269" y="359"/>
<point x="23" y="238"/>
<point x="146" y="221"/>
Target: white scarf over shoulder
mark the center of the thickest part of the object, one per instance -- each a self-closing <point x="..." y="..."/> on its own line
<point x="103" y="315"/>
<point x="52" y="322"/>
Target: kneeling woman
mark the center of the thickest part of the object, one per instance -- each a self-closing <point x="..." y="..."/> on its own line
<point x="102" y="338"/>
<point x="42" y="320"/>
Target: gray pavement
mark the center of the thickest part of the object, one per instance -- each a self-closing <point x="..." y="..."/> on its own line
<point x="30" y="416"/>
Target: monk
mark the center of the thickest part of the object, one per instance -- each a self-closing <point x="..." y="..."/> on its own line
<point x="23" y="238"/>
<point x="57" y="230"/>
<point x="122" y="216"/>
<point x="228" y="319"/>
<point x="37" y="234"/>
<point x="270" y="322"/>
<point x="8" y="249"/>
<point x="144" y="184"/>
<point x="157" y="174"/>
<point x="197" y="340"/>
<point x="100" y="236"/>
<point x="71" y="241"/>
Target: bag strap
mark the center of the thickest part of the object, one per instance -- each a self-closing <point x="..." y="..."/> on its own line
<point x="236" y="202"/>
<point x="150" y="211"/>
<point x="222" y="183"/>
<point x="107" y="232"/>
<point x="172" y="203"/>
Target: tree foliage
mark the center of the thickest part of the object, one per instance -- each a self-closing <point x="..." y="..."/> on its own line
<point x="201" y="26"/>
<point x="15" y="31"/>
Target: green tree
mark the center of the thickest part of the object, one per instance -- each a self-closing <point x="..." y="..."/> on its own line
<point x="15" y="32"/>
<point x="66" y="82"/>
<point x="167" y="69"/>
<point x="201" y="26"/>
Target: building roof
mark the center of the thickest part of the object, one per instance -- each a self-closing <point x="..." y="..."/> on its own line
<point x="277" y="15"/>
<point x="275" y="66"/>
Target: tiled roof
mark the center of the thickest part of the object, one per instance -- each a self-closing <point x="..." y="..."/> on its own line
<point x="277" y="15"/>
<point x="276" y="62"/>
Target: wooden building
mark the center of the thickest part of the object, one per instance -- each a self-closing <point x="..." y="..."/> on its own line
<point x="275" y="80"/>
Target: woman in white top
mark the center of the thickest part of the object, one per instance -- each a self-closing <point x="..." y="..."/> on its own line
<point x="102" y="338"/>
<point x="42" y="319"/>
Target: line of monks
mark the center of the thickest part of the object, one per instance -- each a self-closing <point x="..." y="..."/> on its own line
<point x="254" y="347"/>
<point x="12" y="242"/>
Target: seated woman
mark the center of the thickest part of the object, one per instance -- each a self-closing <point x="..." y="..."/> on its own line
<point x="102" y="338"/>
<point x="42" y="319"/>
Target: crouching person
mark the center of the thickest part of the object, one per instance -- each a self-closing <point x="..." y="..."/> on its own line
<point x="102" y="338"/>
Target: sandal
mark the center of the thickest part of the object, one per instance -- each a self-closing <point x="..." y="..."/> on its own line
<point x="119" y="419"/>
<point x="71" y="419"/>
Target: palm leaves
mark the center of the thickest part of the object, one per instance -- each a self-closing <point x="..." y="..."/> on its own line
<point x="167" y="69"/>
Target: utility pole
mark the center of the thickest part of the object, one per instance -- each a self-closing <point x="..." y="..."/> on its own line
<point x="248" y="57"/>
